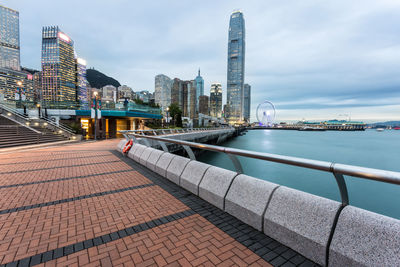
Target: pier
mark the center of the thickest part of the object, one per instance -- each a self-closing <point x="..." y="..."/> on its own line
<point x="89" y="204"/>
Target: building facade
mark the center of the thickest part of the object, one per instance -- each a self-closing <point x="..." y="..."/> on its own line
<point x="58" y="67"/>
<point x="9" y="39"/>
<point x="204" y="105"/>
<point x="235" y="73"/>
<point x="199" y="84"/>
<point x="16" y="86"/>
<point x="162" y="91"/>
<point x="144" y="95"/>
<point x="126" y="92"/>
<point x="109" y="93"/>
<point x="246" y="102"/>
<point x="183" y="93"/>
<point x="216" y="100"/>
<point x="81" y="90"/>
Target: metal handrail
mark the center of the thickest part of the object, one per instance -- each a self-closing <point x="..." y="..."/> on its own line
<point x="15" y="112"/>
<point x="60" y="126"/>
<point x="163" y="131"/>
<point x="337" y="169"/>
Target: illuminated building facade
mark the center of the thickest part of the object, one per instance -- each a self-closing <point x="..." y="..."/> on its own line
<point x="58" y="68"/>
<point x="81" y="90"/>
<point x="246" y="102"/>
<point x="236" y="58"/>
<point x="16" y="86"/>
<point x="216" y="100"/>
<point x="9" y="39"/>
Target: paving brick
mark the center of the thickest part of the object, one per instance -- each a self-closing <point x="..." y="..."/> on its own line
<point x="140" y="227"/>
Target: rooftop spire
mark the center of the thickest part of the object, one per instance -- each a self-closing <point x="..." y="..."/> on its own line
<point x="199" y="71"/>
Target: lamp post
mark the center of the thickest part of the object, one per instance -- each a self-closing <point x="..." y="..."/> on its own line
<point x="19" y="85"/>
<point x="38" y="106"/>
<point x="95" y="115"/>
<point x="167" y="117"/>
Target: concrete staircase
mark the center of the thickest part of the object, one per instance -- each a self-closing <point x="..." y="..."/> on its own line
<point x="14" y="134"/>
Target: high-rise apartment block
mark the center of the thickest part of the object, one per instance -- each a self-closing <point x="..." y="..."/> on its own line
<point x="236" y="59"/>
<point x="162" y="91"/>
<point x="246" y="102"/>
<point x="216" y="100"/>
<point x="184" y="94"/>
<point x="9" y="39"/>
<point x="204" y="105"/>
<point x="58" y="67"/>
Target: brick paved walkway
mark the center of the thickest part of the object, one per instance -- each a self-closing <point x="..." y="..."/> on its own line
<point x="84" y="204"/>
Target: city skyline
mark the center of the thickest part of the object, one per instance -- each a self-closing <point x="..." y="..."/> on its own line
<point x="307" y="58"/>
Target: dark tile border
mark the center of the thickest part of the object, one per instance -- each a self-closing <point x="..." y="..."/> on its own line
<point x="63" y="179"/>
<point x="59" y="167"/>
<point x="36" y="161"/>
<point x="267" y="248"/>
<point x="97" y="241"/>
<point x="65" y="200"/>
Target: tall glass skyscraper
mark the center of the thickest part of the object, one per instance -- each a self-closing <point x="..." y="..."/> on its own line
<point x="58" y="67"/>
<point x="9" y="39"/>
<point x="199" y="83"/>
<point x="246" y="102"/>
<point x="236" y="57"/>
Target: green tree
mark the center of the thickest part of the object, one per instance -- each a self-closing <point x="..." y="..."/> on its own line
<point x="179" y="120"/>
<point x="174" y="110"/>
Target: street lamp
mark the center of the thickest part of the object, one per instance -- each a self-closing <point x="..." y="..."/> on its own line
<point x="38" y="106"/>
<point x="95" y="115"/>
<point x="167" y="117"/>
<point x="19" y="85"/>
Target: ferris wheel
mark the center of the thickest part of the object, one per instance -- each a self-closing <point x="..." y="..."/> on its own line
<point x="265" y="113"/>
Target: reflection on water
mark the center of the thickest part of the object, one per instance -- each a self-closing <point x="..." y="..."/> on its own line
<point x="371" y="149"/>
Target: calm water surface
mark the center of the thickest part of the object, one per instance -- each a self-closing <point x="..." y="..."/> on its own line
<point x="370" y="148"/>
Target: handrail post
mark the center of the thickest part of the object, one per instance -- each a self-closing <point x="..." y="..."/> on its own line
<point x="236" y="163"/>
<point x="163" y="146"/>
<point x="344" y="196"/>
<point x="190" y="152"/>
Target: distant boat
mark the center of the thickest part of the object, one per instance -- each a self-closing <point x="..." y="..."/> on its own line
<point x="380" y="129"/>
<point x="396" y="128"/>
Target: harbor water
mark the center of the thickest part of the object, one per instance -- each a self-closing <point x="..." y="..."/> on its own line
<point x="368" y="148"/>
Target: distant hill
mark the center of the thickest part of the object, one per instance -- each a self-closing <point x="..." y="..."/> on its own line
<point x="97" y="79"/>
<point x="386" y="123"/>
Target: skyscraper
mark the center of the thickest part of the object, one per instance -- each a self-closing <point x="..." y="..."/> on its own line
<point x="246" y="102"/>
<point x="9" y="39"/>
<point x="204" y="105"/>
<point x="236" y="58"/>
<point x="183" y="93"/>
<point x="81" y="90"/>
<point x="162" y="91"/>
<point x="58" y="67"/>
<point x="199" y="84"/>
<point x="216" y="100"/>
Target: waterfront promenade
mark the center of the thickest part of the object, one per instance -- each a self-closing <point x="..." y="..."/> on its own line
<point x="85" y="204"/>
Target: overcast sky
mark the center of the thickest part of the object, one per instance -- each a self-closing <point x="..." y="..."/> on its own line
<point x="313" y="59"/>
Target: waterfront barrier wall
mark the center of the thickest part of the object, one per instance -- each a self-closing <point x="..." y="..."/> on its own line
<point x="321" y="229"/>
